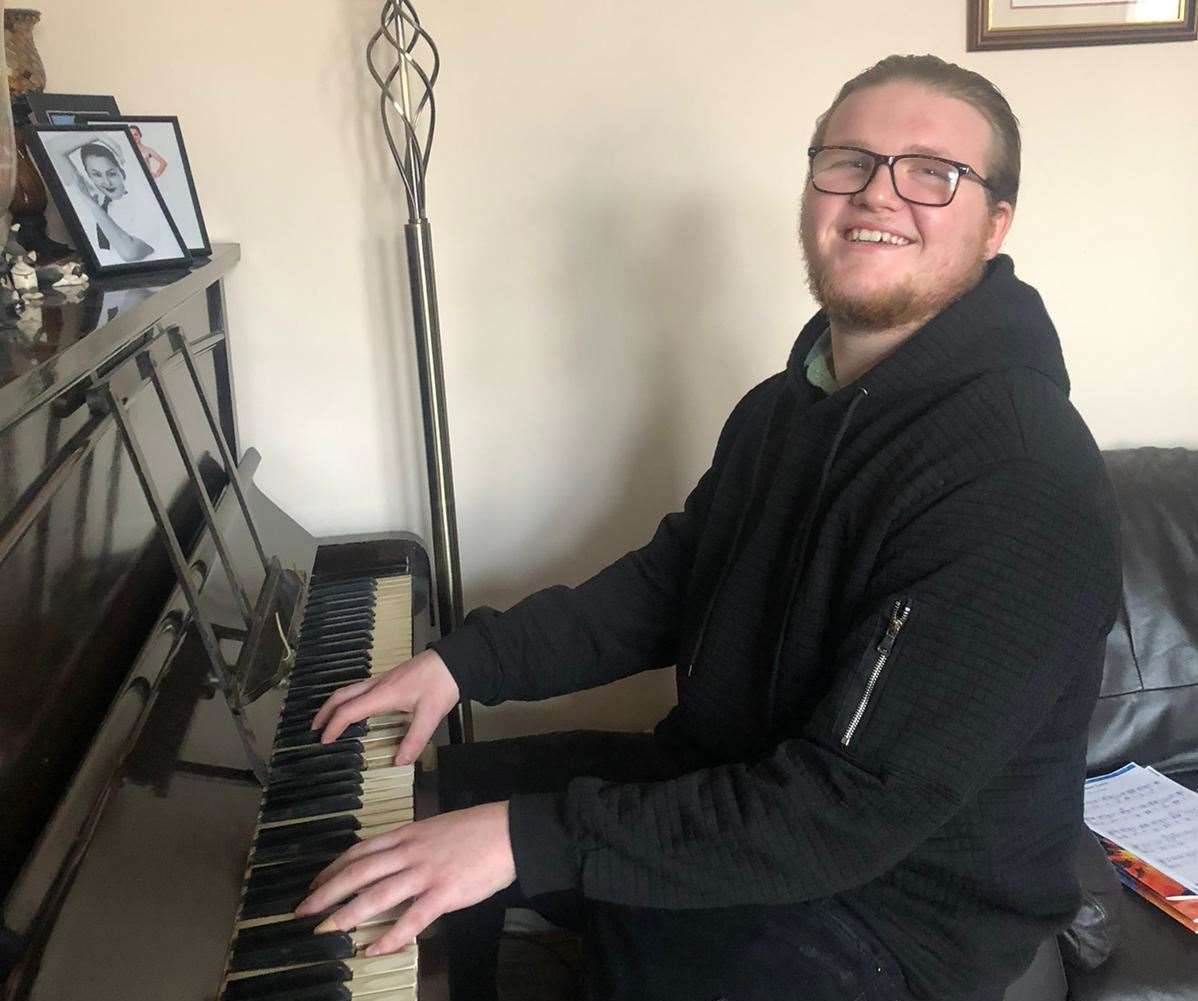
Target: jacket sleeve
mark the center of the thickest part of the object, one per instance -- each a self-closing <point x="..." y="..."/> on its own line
<point x="1013" y="581"/>
<point x="623" y="620"/>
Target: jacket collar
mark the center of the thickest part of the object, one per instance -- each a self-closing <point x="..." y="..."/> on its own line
<point x="1000" y="323"/>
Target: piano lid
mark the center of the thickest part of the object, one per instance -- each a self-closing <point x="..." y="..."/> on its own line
<point x="72" y="332"/>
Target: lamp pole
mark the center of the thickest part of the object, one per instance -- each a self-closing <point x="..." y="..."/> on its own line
<point x="412" y="76"/>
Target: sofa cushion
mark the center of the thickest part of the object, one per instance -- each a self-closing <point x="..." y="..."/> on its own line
<point x="1156" y="961"/>
<point x="1149" y="697"/>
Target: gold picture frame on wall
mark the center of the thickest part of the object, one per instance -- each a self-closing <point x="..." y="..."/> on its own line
<point x="1039" y="24"/>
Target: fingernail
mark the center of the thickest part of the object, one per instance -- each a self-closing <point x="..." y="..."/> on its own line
<point x="328" y="924"/>
<point x="373" y="950"/>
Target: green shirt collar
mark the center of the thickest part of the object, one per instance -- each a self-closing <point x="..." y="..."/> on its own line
<point x="819" y="365"/>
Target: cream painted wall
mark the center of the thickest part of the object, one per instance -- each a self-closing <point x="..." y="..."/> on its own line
<point x="613" y="193"/>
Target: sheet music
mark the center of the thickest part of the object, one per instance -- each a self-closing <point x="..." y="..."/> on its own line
<point x="1148" y="814"/>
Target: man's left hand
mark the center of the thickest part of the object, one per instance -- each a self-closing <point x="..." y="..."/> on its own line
<point x="441" y="864"/>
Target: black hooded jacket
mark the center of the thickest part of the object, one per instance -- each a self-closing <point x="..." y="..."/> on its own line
<point x="888" y="608"/>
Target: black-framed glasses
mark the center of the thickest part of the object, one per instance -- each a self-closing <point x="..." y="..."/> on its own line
<point x="917" y="178"/>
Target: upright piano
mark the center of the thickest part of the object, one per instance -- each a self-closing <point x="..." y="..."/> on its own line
<point x="165" y="633"/>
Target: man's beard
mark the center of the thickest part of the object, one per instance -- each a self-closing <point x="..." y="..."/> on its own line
<point x="898" y="305"/>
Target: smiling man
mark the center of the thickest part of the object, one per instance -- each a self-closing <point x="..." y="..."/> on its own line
<point x="887" y="600"/>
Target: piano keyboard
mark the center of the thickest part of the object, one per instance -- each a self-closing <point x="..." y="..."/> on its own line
<point x="321" y="800"/>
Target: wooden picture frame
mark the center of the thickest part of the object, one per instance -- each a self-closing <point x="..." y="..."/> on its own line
<point x="88" y="169"/>
<point x="65" y="109"/>
<point x="1039" y="24"/>
<point x="162" y="148"/>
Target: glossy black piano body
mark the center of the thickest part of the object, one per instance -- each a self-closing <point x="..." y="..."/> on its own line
<point x="127" y="801"/>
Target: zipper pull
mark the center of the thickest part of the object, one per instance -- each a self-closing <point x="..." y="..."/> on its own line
<point x="898" y="618"/>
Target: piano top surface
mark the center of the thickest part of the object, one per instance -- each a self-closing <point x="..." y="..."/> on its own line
<point x="73" y="331"/>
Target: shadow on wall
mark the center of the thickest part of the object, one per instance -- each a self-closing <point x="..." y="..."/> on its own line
<point x="649" y="310"/>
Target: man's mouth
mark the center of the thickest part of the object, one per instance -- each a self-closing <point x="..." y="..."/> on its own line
<point x="876" y="236"/>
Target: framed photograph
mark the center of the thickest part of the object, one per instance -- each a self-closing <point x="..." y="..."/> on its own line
<point x="65" y="109"/>
<point x="107" y="199"/>
<point x="160" y="142"/>
<point x="1039" y="24"/>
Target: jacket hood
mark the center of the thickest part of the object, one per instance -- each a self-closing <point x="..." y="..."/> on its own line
<point x="1000" y="323"/>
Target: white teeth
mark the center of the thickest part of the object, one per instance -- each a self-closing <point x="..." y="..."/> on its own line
<point x="875" y="236"/>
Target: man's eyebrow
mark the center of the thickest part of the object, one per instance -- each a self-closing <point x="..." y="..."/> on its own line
<point x="909" y="148"/>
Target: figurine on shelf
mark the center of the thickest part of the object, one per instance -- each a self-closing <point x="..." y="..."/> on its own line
<point x="72" y="274"/>
<point x="12" y="247"/>
<point x="24" y="276"/>
<point x="31" y="323"/>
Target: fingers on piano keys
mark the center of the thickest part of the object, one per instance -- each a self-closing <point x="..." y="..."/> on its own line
<point x="322" y="800"/>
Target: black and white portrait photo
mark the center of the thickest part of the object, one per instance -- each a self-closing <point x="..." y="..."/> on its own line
<point x="159" y="141"/>
<point x="108" y="201"/>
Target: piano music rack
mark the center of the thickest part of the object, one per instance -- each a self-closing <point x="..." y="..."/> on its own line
<point x="269" y="628"/>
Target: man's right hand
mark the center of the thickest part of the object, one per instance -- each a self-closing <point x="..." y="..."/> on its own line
<point x="422" y="686"/>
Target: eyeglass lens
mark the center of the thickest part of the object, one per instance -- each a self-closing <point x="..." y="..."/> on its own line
<point x="916" y="178"/>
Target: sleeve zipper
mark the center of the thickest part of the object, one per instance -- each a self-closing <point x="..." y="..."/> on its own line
<point x="898" y="619"/>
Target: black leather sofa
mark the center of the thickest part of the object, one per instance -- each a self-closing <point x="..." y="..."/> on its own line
<point x="1119" y="947"/>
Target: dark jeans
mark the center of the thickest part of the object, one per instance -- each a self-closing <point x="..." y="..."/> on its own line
<point x="815" y="951"/>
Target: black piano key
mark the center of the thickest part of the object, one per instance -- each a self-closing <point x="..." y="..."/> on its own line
<point x="306" y="705"/>
<point x="334" y="611"/>
<point x="301" y="724"/>
<point x="318" y="668"/>
<point x="333" y="601"/>
<point x="363" y="582"/>
<point x="295" y="832"/>
<point x="284" y="788"/>
<point x="334" y="607"/>
<point x="338" y="676"/>
<point x="310" y="657"/>
<point x="311" y="690"/>
<point x="310" y="738"/>
<point x="311" y="696"/>
<point x="342" y="746"/>
<point x="283" y="902"/>
<point x="262" y="880"/>
<point x="310" y="949"/>
<point x="321" y="856"/>
<point x="256" y="937"/>
<point x="328" y="649"/>
<point x="298" y="842"/>
<point x="312" y="791"/>
<point x="330" y="845"/>
<point x="275" y="881"/>
<point x="315" y="766"/>
<point x="271" y="983"/>
<point x="327" y="804"/>
<point x="279" y="884"/>
<point x="316" y="665"/>
<point x="282" y="896"/>
<point x="334" y="622"/>
<point x="320" y="992"/>
<point x="312" y="672"/>
<point x="297" y="794"/>
<point x="342" y="638"/>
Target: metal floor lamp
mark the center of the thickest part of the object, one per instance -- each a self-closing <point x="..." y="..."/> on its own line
<point x="409" y="116"/>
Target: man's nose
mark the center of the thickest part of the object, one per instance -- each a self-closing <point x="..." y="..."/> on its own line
<point x="880" y="192"/>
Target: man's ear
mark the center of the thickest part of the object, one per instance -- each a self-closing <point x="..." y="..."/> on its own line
<point x="999" y="222"/>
